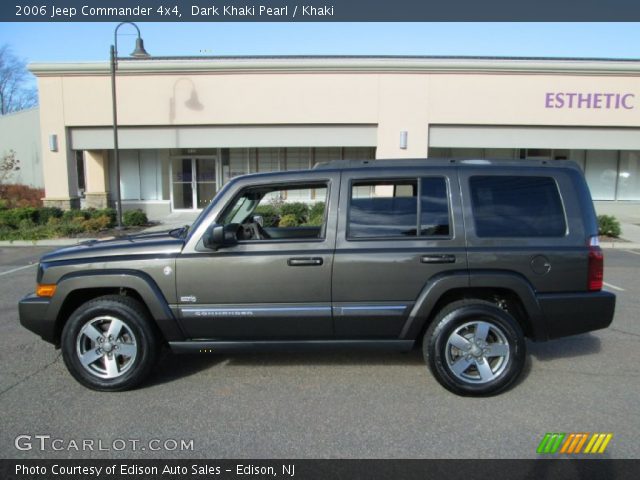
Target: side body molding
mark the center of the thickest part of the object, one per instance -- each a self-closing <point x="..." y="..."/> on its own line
<point x="142" y="283"/>
<point x="491" y="279"/>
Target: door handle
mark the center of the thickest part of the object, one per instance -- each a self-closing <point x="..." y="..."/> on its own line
<point x="438" y="259"/>
<point x="305" y="262"/>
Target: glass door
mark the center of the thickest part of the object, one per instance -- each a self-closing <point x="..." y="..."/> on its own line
<point x="193" y="182"/>
<point x="206" y="186"/>
<point x="182" y="183"/>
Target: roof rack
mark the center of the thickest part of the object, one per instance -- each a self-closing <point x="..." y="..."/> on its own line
<point x="434" y="162"/>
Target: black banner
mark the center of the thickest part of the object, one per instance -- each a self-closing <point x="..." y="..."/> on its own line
<point x="583" y="469"/>
<point x="317" y="10"/>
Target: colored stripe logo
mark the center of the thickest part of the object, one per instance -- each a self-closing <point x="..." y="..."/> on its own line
<point x="573" y="443"/>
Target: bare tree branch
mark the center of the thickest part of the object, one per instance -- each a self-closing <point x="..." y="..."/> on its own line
<point x="15" y="94"/>
<point x="8" y="164"/>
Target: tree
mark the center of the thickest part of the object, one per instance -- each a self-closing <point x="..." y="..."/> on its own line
<point x="8" y="164"/>
<point x="15" y="93"/>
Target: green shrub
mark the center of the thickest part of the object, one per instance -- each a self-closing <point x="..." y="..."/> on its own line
<point x="29" y="223"/>
<point x="25" y="213"/>
<point x="96" y="224"/>
<point x="110" y="213"/>
<point x="269" y="213"/>
<point x="134" y="218"/>
<point x="6" y="220"/>
<point x="72" y="214"/>
<point x="34" y="232"/>
<point x="289" y="220"/>
<point x="609" y="225"/>
<point x="316" y="215"/>
<point x="298" y="209"/>
<point x="71" y="227"/>
<point x="4" y="204"/>
<point x="45" y="213"/>
<point x="317" y="209"/>
<point x="13" y="216"/>
<point x="315" y="221"/>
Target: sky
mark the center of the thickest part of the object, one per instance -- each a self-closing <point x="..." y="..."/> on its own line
<point x="62" y="42"/>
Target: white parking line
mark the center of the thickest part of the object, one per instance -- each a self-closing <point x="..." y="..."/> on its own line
<point x="620" y="289"/>
<point x="631" y="251"/>
<point x="17" y="269"/>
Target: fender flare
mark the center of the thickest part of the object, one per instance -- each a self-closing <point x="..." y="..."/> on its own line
<point x="441" y="284"/>
<point x="140" y="282"/>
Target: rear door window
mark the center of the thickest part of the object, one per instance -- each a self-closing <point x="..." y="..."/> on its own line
<point x="517" y="206"/>
<point x="390" y="208"/>
<point x="383" y="209"/>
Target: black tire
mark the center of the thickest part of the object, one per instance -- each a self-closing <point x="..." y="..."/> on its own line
<point x="464" y="363"/>
<point x="133" y="350"/>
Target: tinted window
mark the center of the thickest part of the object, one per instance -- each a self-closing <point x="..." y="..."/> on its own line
<point x="434" y="207"/>
<point x="383" y="209"/>
<point x="509" y="206"/>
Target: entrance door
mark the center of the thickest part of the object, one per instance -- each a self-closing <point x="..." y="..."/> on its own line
<point x="193" y="182"/>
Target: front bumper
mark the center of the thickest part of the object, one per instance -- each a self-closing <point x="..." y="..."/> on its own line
<point x="33" y="316"/>
<point x="573" y="313"/>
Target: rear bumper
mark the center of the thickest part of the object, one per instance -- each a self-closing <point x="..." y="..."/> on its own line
<point x="33" y="316"/>
<point x="573" y="313"/>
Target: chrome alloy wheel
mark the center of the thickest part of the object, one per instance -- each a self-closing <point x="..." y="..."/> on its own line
<point x="106" y="347"/>
<point x="477" y="352"/>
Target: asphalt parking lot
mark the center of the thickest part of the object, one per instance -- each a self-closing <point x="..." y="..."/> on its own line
<point x="327" y="405"/>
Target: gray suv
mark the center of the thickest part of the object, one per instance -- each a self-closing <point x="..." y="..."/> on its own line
<point x="468" y="258"/>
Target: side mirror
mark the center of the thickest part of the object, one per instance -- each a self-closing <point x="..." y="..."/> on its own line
<point x="220" y="236"/>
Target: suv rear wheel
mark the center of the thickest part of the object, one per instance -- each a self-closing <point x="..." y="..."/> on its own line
<point x="474" y="348"/>
<point x="109" y="344"/>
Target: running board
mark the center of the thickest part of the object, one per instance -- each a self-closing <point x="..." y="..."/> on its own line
<point x="203" y="346"/>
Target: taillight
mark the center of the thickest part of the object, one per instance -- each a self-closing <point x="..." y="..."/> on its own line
<point x="596" y="266"/>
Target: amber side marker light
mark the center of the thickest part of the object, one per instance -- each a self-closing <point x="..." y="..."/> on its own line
<point x="45" y="290"/>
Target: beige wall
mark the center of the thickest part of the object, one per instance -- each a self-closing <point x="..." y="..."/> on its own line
<point x="520" y="100"/>
<point x="394" y="97"/>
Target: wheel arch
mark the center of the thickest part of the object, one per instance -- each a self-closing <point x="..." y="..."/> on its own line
<point x="76" y="289"/>
<point x="508" y="290"/>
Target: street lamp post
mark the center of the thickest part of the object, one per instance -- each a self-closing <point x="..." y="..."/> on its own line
<point x="139" y="52"/>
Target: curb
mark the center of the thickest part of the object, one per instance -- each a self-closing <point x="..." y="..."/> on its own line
<point x="620" y="245"/>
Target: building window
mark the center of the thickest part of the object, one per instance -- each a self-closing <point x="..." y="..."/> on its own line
<point x="610" y="174"/>
<point x="629" y="176"/>
<point x="80" y="172"/>
<point x="141" y="176"/>
<point x="601" y="171"/>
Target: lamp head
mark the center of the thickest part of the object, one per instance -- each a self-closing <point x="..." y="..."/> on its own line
<point x="139" y="51"/>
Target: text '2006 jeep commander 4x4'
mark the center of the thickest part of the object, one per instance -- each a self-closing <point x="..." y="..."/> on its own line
<point x="470" y="257"/>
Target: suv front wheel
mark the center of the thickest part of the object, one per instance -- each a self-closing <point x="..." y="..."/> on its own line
<point x="108" y="343"/>
<point x="474" y="348"/>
